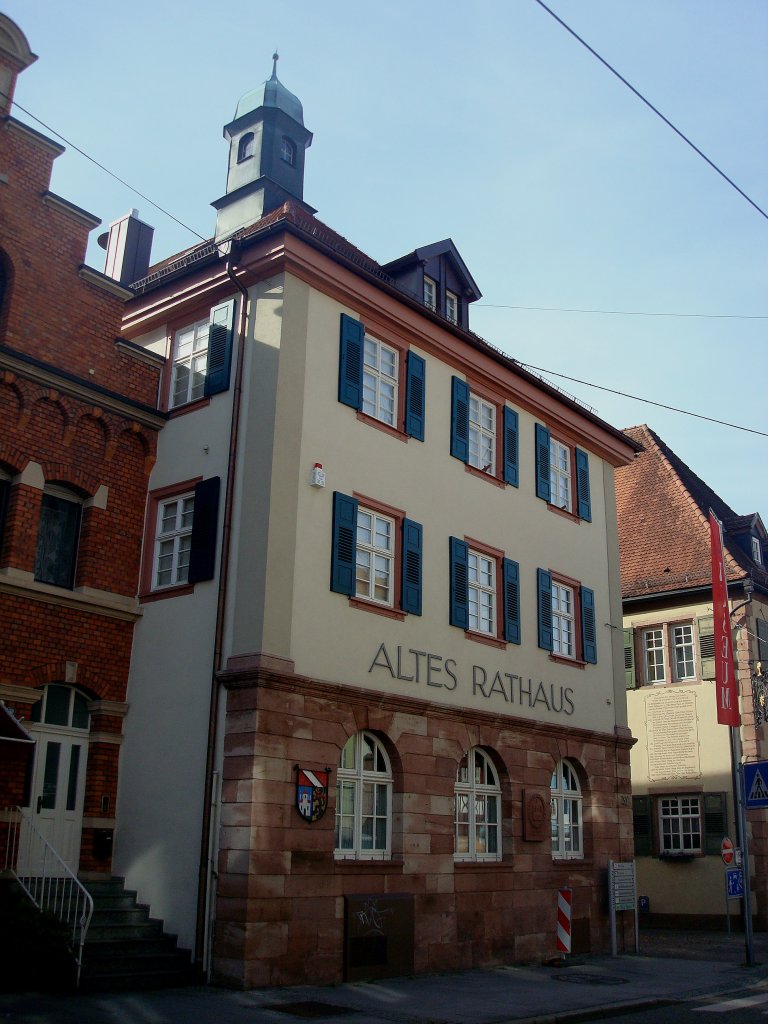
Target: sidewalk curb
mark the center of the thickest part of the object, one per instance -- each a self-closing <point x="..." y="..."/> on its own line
<point x="597" y="1012"/>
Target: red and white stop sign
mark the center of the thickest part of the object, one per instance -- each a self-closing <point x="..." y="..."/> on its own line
<point x="726" y="851"/>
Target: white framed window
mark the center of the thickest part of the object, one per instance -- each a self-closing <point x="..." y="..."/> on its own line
<point x="653" y="652"/>
<point x="679" y="824"/>
<point x="451" y="306"/>
<point x="430" y="293"/>
<point x="363" y="799"/>
<point x="682" y="651"/>
<point x="380" y="372"/>
<point x="173" y="541"/>
<point x="477" y="808"/>
<point x="482" y="434"/>
<point x="560" y="475"/>
<point x="566" y="807"/>
<point x="190" y="363"/>
<point x="481" y="581"/>
<point x="563" y="620"/>
<point x="375" y="557"/>
<point x="757" y="551"/>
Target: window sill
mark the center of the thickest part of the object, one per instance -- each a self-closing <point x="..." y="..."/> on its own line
<point x="481" y="862"/>
<point x="566" y="862"/>
<point x="385" y="427"/>
<point x="160" y="595"/>
<point x="99" y="602"/>
<point x="490" y="478"/>
<point x="682" y="857"/>
<point x="563" y="512"/>
<point x="368" y="865"/>
<point x="182" y="410"/>
<point x="482" y="638"/>
<point x="562" y="660"/>
<point x="377" y="609"/>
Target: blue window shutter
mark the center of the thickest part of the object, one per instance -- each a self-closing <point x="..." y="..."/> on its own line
<point x="544" y="584"/>
<point x="582" y="485"/>
<point x="220" y="334"/>
<point x="460" y="419"/>
<point x="588" y="630"/>
<point x="351" y="362"/>
<point x="511" y="572"/>
<point x="202" y="554"/>
<point x="343" y="544"/>
<point x="459" y="583"/>
<point x="414" y="396"/>
<point x="542" y="463"/>
<point x="511" y="445"/>
<point x="410" y="595"/>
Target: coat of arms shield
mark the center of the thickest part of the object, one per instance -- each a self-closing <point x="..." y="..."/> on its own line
<point x="311" y="793"/>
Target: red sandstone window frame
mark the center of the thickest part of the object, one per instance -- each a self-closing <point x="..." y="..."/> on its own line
<point x="147" y="590"/>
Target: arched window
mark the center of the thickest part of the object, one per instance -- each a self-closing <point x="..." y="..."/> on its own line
<point x="61" y="705"/>
<point x="245" y="147"/>
<point x="364" y="799"/>
<point x="58" y="536"/>
<point x="566" y="801"/>
<point x="288" y="151"/>
<point x="477" y="808"/>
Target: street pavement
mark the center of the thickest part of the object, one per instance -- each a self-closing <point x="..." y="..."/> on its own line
<point x="671" y="967"/>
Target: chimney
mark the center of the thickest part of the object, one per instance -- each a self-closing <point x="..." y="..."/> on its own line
<point x="128" y="243"/>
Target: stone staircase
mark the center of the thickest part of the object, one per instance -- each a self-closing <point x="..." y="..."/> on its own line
<point x="127" y="949"/>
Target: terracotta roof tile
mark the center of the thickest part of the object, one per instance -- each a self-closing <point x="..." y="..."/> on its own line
<point x="663" y="510"/>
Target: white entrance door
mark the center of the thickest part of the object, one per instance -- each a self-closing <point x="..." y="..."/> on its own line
<point x="57" y="791"/>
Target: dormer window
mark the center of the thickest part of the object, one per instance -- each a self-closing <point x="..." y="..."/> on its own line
<point x="430" y="293"/>
<point x="245" y="147"/>
<point x="452" y="307"/>
<point x="288" y="151"/>
<point x="757" y="551"/>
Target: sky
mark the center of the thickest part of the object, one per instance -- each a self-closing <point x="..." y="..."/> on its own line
<point x="607" y="250"/>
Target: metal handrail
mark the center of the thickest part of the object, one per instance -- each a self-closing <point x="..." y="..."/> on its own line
<point x="52" y="886"/>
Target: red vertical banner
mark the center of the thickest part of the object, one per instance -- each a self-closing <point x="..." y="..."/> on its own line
<point x="725" y="675"/>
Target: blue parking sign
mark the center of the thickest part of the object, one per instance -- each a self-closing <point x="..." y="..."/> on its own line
<point x="734" y="880"/>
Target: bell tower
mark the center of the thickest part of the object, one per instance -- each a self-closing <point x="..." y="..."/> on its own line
<point x="267" y="142"/>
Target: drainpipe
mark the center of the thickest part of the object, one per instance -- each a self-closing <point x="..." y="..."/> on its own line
<point x="207" y="869"/>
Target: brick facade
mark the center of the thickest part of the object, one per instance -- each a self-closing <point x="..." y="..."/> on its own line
<point x="280" y="908"/>
<point x="75" y="411"/>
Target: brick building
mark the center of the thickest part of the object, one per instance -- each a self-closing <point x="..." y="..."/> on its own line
<point x="379" y="667"/>
<point x="681" y="764"/>
<point x="78" y="428"/>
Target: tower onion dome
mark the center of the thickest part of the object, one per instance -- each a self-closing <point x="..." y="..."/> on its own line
<point x="271" y="94"/>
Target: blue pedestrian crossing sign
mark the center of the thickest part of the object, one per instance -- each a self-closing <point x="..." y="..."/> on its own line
<point x="734" y="881"/>
<point x="756" y="784"/>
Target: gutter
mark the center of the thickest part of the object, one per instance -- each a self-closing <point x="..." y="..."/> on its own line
<point x="207" y="873"/>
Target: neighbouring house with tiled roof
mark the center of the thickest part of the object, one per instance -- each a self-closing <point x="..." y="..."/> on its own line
<point x="681" y="763"/>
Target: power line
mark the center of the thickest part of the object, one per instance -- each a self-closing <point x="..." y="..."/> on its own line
<point x="110" y="173"/>
<point x="648" y="401"/>
<point x="654" y="109"/>
<point x="622" y="312"/>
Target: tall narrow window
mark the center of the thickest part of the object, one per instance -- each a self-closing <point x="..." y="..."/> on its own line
<point x="655" y="668"/>
<point x="563" y="620"/>
<point x="482" y="434"/>
<point x="173" y="541"/>
<point x="57" y="537"/>
<point x="375" y="557"/>
<point x="482" y="593"/>
<point x="380" y="372"/>
<point x="363" y="799"/>
<point x="560" y="475"/>
<point x="566" y="800"/>
<point x="451" y="307"/>
<point x="430" y="293"/>
<point x="477" y="808"/>
<point x="682" y="647"/>
<point x="190" y="363"/>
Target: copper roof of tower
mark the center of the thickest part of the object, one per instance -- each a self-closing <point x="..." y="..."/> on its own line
<point x="271" y="93"/>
